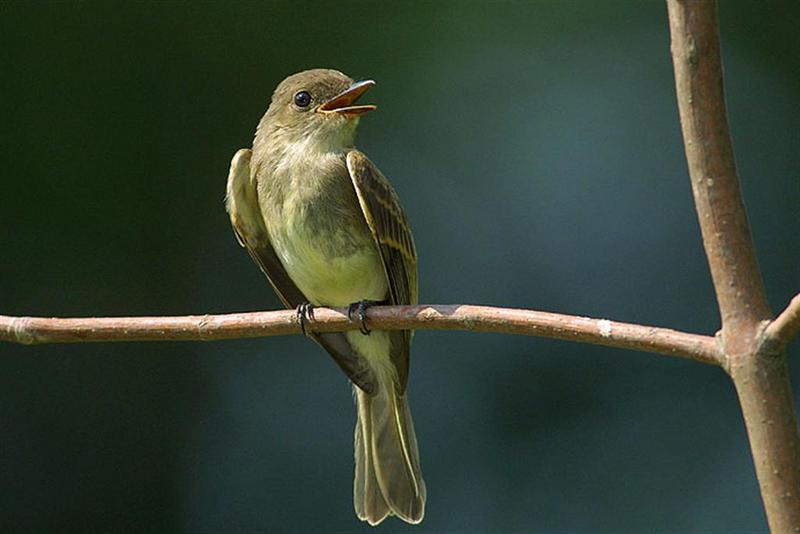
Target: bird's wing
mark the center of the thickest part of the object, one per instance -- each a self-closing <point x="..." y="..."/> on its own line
<point x="392" y="234"/>
<point x="242" y="204"/>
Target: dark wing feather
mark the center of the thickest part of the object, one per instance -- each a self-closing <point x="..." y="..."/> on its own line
<point x="242" y="204"/>
<point x="392" y="234"/>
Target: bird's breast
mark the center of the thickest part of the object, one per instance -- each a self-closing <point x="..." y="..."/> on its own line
<point x="324" y="243"/>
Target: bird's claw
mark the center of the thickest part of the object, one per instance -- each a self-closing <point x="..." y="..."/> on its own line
<point x="305" y="312"/>
<point x="361" y="307"/>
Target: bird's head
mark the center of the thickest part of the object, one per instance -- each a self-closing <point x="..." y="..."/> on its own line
<point x="316" y="107"/>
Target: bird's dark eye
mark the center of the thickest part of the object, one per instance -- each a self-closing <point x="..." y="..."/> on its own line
<point x="302" y="99"/>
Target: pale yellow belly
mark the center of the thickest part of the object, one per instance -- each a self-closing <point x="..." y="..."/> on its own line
<point x="326" y="277"/>
<point x="330" y="280"/>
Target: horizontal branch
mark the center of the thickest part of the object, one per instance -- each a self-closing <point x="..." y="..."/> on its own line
<point x="32" y="330"/>
<point x="785" y="326"/>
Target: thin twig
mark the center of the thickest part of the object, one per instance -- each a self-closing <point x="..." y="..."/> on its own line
<point x="786" y="325"/>
<point x="31" y="330"/>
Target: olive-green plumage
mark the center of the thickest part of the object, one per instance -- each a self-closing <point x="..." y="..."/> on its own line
<point x="326" y="227"/>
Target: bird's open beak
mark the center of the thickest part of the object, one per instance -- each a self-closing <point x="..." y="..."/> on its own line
<point x="344" y="102"/>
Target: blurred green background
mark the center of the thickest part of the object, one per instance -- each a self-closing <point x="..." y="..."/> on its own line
<point x="537" y="150"/>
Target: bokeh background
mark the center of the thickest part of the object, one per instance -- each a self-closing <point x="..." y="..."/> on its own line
<point x="537" y="150"/>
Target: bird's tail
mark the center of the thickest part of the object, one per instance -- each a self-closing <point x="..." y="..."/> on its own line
<point x="388" y="479"/>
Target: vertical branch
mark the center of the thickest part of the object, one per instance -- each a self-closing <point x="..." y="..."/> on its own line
<point x="759" y="375"/>
<point x="718" y="199"/>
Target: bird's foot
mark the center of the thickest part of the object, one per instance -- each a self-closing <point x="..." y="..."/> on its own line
<point x="305" y="312"/>
<point x="360" y="307"/>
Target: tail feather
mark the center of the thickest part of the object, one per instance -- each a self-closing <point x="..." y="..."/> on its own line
<point x="388" y="477"/>
<point x="369" y="502"/>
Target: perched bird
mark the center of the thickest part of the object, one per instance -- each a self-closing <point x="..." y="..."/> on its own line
<point x="327" y="229"/>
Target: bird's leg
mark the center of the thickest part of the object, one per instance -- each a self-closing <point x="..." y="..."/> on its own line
<point x="361" y="307"/>
<point x="305" y="312"/>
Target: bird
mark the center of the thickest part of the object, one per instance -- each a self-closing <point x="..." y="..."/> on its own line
<point x="327" y="229"/>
